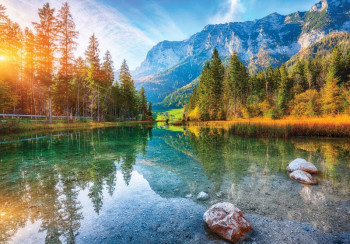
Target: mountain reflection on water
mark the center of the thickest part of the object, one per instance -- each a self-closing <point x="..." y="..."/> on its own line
<point x="129" y="184"/>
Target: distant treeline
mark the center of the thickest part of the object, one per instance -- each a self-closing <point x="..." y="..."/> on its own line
<point x="40" y="75"/>
<point x="312" y="87"/>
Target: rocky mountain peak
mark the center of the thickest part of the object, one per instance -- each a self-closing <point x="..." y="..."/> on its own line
<point x="319" y="7"/>
<point x="170" y="65"/>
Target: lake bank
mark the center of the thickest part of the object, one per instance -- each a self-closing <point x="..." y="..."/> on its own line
<point x="18" y="126"/>
<point x="283" y="128"/>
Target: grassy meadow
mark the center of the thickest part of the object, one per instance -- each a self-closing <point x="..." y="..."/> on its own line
<point x="172" y="114"/>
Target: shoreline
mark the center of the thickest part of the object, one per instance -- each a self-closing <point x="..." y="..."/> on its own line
<point x="23" y="127"/>
<point x="338" y="126"/>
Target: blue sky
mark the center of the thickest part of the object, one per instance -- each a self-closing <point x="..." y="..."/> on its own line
<point x="129" y="28"/>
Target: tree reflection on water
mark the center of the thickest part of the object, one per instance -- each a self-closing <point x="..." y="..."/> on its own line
<point x="41" y="178"/>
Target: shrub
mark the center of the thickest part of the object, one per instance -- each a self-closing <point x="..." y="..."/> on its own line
<point x="264" y="107"/>
<point x="272" y="114"/>
<point x="194" y="114"/>
<point x="9" y="125"/>
<point x="307" y="104"/>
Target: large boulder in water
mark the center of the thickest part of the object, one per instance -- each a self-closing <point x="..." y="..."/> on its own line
<point x="303" y="177"/>
<point x="228" y="222"/>
<point x="302" y="164"/>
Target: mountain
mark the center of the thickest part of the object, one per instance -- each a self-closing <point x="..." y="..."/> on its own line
<point x="268" y="41"/>
<point x="178" y="98"/>
<point x="323" y="47"/>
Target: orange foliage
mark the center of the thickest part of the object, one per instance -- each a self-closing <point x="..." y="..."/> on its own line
<point x="338" y="126"/>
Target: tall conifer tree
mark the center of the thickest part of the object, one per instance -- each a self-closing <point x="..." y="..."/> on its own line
<point x="94" y="72"/>
<point x="127" y="91"/>
<point x="66" y="36"/>
<point x="46" y="33"/>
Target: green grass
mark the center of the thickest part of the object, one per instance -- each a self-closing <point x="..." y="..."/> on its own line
<point x="172" y="114"/>
<point x="21" y="125"/>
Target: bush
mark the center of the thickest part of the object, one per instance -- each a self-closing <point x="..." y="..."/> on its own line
<point x="307" y="104"/>
<point x="272" y="114"/>
<point x="246" y="113"/>
<point x="194" y="114"/>
<point x="9" y="125"/>
<point x="251" y="111"/>
<point x="264" y="107"/>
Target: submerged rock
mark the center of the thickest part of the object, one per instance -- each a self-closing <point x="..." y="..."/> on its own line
<point x="302" y="164"/>
<point x="228" y="222"/>
<point x="303" y="177"/>
<point x="189" y="196"/>
<point x="202" y="196"/>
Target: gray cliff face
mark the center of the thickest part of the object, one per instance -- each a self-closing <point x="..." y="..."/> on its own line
<point x="259" y="43"/>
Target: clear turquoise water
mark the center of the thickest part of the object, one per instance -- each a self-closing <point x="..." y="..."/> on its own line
<point x="132" y="184"/>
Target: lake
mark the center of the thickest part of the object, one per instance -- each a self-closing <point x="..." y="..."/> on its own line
<point x="138" y="184"/>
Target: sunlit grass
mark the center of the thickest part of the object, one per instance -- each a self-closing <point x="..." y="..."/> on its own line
<point x="21" y="125"/>
<point x="172" y="114"/>
<point x="289" y="127"/>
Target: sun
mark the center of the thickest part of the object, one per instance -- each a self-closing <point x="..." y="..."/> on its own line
<point x="3" y="58"/>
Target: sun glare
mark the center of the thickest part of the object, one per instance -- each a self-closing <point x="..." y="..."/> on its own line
<point x="2" y="58"/>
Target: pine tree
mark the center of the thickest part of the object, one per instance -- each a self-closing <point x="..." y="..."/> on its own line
<point x="283" y="88"/>
<point x="331" y="91"/>
<point x="4" y="25"/>
<point x="331" y="97"/>
<point x="80" y="85"/>
<point x="107" y="70"/>
<point x="299" y="76"/>
<point x="116" y="97"/>
<point x="14" y="46"/>
<point x="29" y="65"/>
<point x="107" y="78"/>
<point x="237" y="83"/>
<point x="8" y="95"/>
<point x="310" y="74"/>
<point x="92" y="54"/>
<point x="347" y="68"/>
<point x="66" y="36"/>
<point x="336" y="66"/>
<point x="205" y="93"/>
<point x="216" y="85"/>
<point x="128" y="92"/>
<point x="45" y="47"/>
<point x="143" y="103"/>
<point x="149" y="110"/>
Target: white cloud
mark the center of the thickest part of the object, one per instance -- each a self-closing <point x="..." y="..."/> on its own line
<point x="113" y="30"/>
<point x="159" y="26"/>
<point x="229" y="11"/>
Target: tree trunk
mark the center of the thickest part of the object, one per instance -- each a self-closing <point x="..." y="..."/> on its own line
<point x="50" y="108"/>
<point x="266" y="86"/>
<point x="33" y="98"/>
<point x="78" y="102"/>
<point x="98" y="104"/>
<point x="235" y="101"/>
<point x="67" y="108"/>
<point x="84" y="106"/>
<point x="91" y="107"/>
